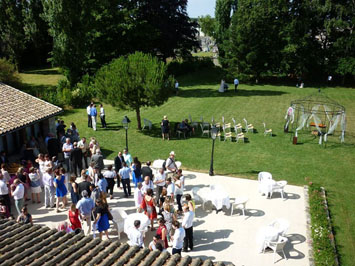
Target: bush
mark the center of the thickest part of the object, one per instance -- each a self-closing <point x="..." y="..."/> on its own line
<point x="64" y="95"/>
<point x="8" y="73"/>
<point x="323" y="238"/>
<point x="179" y="68"/>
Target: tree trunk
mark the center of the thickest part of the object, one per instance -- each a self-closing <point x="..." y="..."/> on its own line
<point x="138" y="114"/>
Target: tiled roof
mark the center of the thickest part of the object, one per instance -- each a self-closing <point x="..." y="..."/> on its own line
<point x="18" y="109"/>
<point x="38" y="245"/>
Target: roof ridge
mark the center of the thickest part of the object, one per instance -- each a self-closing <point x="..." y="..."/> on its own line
<point x="1" y="83"/>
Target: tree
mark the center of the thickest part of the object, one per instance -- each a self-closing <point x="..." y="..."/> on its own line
<point x="70" y="25"/>
<point x="255" y="42"/>
<point x="12" y="35"/>
<point x="164" y="29"/>
<point x="38" y="40"/>
<point x="223" y="19"/>
<point x="207" y="24"/>
<point x="134" y="81"/>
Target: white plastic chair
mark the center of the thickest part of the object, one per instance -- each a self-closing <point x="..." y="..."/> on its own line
<point x="205" y="131"/>
<point x="240" y="136"/>
<point x="279" y="187"/>
<point x="205" y="125"/>
<point x="238" y="127"/>
<point x="193" y="124"/>
<point x="248" y="126"/>
<point x="147" y="123"/>
<point x="281" y="225"/>
<point x="119" y="216"/>
<point x="227" y="131"/>
<point x="277" y="247"/>
<point x="239" y="203"/>
<point x="267" y="131"/>
<point x="264" y="175"/>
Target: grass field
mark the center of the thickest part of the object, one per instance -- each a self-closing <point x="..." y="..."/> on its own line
<point x="331" y="166"/>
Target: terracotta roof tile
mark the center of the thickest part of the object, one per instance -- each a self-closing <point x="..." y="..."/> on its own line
<point x="37" y="245"/>
<point x="18" y="109"/>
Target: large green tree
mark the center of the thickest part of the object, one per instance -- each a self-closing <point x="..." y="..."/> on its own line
<point x="38" y="40"/>
<point x="207" y="24"/>
<point x="134" y="81"/>
<point x="223" y="14"/>
<point x="71" y="26"/>
<point x="12" y="35"/>
<point x="255" y="40"/>
<point x="164" y="28"/>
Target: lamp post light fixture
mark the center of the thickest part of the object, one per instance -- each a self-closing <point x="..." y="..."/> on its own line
<point x="214" y="132"/>
<point x="125" y="124"/>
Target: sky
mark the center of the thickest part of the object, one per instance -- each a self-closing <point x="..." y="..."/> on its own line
<point x="196" y="8"/>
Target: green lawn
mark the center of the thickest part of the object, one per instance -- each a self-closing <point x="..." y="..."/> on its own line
<point x="37" y="81"/>
<point x="330" y="166"/>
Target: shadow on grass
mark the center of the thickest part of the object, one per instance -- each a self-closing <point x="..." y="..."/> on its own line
<point x="106" y="152"/>
<point x="204" y="93"/>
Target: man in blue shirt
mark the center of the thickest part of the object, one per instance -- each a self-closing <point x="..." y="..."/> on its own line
<point x="93" y="114"/>
<point x="236" y="83"/>
<point x="102" y="184"/>
<point x="124" y="173"/>
<point x="85" y="207"/>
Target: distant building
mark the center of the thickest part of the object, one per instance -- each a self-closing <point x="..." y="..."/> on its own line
<point x="23" y="116"/>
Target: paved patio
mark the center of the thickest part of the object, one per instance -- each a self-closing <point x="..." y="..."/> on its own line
<point x="222" y="237"/>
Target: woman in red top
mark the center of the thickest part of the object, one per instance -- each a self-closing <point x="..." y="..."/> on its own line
<point x="148" y="206"/>
<point x="74" y="217"/>
<point x="163" y="232"/>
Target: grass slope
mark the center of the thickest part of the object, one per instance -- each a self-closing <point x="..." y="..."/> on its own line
<point x="330" y="166"/>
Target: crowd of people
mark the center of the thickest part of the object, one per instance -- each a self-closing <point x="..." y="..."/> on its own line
<point x="76" y="168"/>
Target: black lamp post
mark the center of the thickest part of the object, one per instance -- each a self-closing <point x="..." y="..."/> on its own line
<point x="125" y="124"/>
<point x="214" y="132"/>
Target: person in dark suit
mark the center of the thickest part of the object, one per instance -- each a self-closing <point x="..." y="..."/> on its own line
<point x="147" y="171"/>
<point x="118" y="165"/>
<point x="3" y="158"/>
<point x="76" y="158"/>
<point x="53" y="147"/>
<point x="98" y="160"/>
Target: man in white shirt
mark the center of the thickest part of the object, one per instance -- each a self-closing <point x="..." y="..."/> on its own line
<point x="102" y="116"/>
<point x="85" y="149"/>
<point x="159" y="181"/>
<point x="187" y="224"/>
<point x="88" y="109"/>
<point x="135" y="236"/>
<point x="138" y="196"/>
<point x="18" y="194"/>
<point x="147" y="184"/>
<point x="178" y="238"/>
<point x="67" y="148"/>
<point x="170" y="163"/>
<point x="110" y="177"/>
<point x="4" y="192"/>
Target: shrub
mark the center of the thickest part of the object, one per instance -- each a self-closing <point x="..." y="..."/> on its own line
<point x="323" y="238"/>
<point x="8" y="73"/>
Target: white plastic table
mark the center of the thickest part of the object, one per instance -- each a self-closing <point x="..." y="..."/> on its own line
<point x="217" y="196"/>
